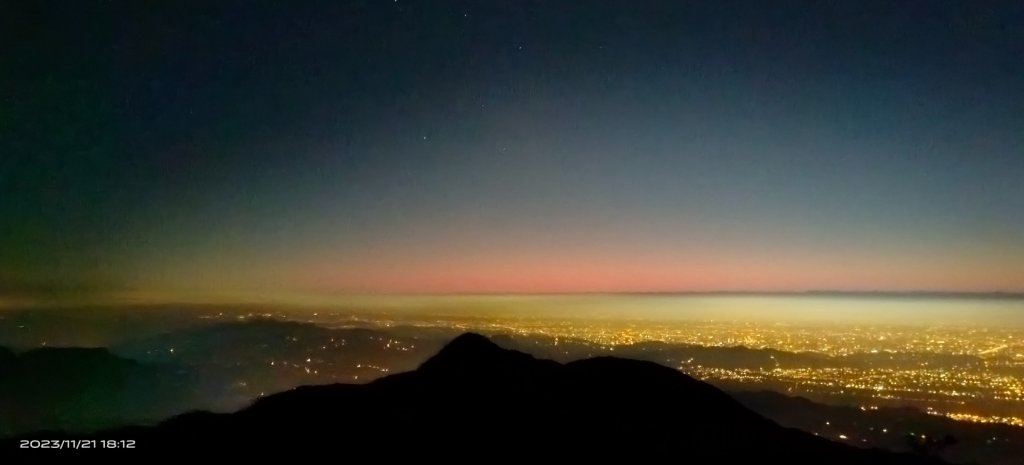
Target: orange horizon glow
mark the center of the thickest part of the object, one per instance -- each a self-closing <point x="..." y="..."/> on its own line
<point x="651" y="276"/>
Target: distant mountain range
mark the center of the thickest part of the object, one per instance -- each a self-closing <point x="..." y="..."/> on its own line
<point x="82" y="389"/>
<point x="477" y="401"/>
<point x="891" y="428"/>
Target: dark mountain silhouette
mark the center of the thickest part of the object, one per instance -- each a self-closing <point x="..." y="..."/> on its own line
<point x="474" y="400"/>
<point x="79" y="388"/>
<point x="893" y="428"/>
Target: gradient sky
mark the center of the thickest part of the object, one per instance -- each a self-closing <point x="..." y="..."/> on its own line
<point x="477" y="146"/>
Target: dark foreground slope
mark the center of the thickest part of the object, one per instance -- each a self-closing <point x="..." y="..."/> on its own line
<point x="474" y="400"/>
<point x="86" y="389"/>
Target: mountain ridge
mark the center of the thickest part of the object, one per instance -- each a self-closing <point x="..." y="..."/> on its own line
<point x="475" y="399"/>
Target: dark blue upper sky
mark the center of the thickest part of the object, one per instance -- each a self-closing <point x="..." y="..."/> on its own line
<point x="406" y="146"/>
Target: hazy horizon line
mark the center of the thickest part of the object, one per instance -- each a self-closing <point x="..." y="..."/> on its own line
<point x="241" y="297"/>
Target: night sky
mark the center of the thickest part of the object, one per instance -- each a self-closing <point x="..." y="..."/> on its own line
<point x="533" y="146"/>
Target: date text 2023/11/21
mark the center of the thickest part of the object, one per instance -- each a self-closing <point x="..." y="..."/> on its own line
<point x="77" y="444"/>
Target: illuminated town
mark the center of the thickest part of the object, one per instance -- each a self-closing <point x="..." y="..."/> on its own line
<point x="848" y="382"/>
<point x="969" y="374"/>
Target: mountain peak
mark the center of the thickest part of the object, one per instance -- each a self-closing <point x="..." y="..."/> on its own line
<point x="474" y="354"/>
<point x="467" y="343"/>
